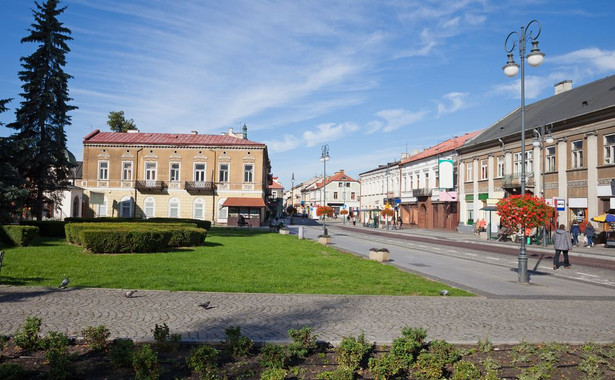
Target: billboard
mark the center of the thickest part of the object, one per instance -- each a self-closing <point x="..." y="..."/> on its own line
<point x="445" y="174"/>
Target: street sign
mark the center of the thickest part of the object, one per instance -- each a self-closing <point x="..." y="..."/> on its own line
<point x="560" y="203"/>
<point x="344" y="206"/>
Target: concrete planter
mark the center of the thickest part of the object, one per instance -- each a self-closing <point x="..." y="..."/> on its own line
<point x="380" y="256"/>
<point x="324" y="240"/>
<point x="284" y="231"/>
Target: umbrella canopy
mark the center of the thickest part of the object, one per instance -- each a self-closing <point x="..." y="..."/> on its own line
<point x="604" y="218"/>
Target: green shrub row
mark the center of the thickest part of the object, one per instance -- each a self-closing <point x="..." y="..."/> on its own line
<point x="134" y="237"/>
<point x="205" y="224"/>
<point x="47" y="228"/>
<point x="21" y="236"/>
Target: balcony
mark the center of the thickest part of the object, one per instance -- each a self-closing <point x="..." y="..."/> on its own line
<point x="512" y="182"/>
<point x="422" y="192"/>
<point x="145" y="185"/>
<point x="199" y="186"/>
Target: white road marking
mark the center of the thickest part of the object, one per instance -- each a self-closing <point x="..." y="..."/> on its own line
<point x="492" y="258"/>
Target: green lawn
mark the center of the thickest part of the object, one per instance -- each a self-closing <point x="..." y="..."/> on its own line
<point x="231" y="260"/>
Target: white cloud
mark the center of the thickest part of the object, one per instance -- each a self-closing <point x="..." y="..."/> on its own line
<point x="397" y="118"/>
<point x="328" y="132"/>
<point x="454" y="102"/>
<point x="602" y="61"/>
<point x="288" y="142"/>
<point x="534" y="86"/>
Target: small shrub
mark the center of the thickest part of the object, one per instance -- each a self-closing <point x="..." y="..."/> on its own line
<point x="445" y="351"/>
<point x="485" y="345"/>
<point x="590" y="365"/>
<point x="274" y="374"/>
<point x="204" y="361"/>
<point x="145" y="363"/>
<point x="465" y="370"/>
<point x="338" y="374"/>
<point x="429" y="366"/>
<point x="3" y="340"/>
<point x="28" y="337"/>
<point x="164" y="340"/>
<point x="20" y="236"/>
<point x="121" y="353"/>
<point x="55" y="340"/>
<point x="96" y="337"/>
<point x="387" y="366"/>
<point x="273" y="356"/>
<point x="409" y="345"/>
<point x="12" y="371"/>
<point x="303" y="342"/>
<point x="523" y="352"/>
<point x="352" y="352"/>
<point x="60" y="366"/>
<point x="239" y="345"/>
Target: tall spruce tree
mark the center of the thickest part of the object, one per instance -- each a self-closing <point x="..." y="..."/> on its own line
<point x="12" y="194"/>
<point x="40" y="140"/>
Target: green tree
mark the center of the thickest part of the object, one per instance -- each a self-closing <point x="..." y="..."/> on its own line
<point x="40" y="140"/>
<point x="118" y="123"/>
<point x="11" y="193"/>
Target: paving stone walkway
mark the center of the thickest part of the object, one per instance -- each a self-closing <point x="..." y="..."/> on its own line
<point x="267" y="317"/>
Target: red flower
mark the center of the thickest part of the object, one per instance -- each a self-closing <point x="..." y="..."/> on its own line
<point x="527" y="210"/>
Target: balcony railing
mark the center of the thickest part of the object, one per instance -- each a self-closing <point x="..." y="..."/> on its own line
<point x="145" y="185"/>
<point x="422" y="192"/>
<point x="199" y="186"/>
<point x="514" y="180"/>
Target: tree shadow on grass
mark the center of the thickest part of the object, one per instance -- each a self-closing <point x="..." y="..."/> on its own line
<point x="19" y="281"/>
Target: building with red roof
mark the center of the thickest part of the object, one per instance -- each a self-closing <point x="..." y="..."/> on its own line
<point x="143" y="175"/>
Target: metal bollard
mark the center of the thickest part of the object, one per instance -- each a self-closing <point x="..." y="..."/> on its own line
<point x="301" y="233"/>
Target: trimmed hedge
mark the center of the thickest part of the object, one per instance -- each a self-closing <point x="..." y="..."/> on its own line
<point x="133" y="237"/>
<point x="18" y="235"/>
<point x="47" y="228"/>
<point x="206" y="224"/>
<point x="106" y="241"/>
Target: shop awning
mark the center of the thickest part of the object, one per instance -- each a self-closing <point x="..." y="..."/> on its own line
<point x="243" y="202"/>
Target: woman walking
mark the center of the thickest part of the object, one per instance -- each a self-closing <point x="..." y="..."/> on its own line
<point x="590" y="232"/>
<point x="575" y="230"/>
<point x="562" y="243"/>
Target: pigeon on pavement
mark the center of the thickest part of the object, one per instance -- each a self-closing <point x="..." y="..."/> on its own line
<point x="64" y="283"/>
<point x="129" y="293"/>
<point x="444" y="292"/>
<point x="204" y="305"/>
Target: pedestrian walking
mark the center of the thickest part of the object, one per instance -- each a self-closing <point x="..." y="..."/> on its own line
<point x="575" y="230"/>
<point x="562" y="244"/>
<point x="400" y="222"/>
<point x="590" y="232"/>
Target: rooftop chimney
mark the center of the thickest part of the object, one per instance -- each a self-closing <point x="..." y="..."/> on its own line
<point x="563" y="86"/>
<point x="133" y="131"/>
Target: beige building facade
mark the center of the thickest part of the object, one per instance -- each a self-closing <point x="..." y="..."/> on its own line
<point x="144" y="175"/>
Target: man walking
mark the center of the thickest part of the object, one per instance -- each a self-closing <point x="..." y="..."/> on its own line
<point x="562" y="243"/>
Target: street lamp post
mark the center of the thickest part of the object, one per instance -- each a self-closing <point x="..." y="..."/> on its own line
<point x="292" y="197"/>
<point x="324" y="157"/>
<point x="539" y="141"/>
<point x="511" y="69"/>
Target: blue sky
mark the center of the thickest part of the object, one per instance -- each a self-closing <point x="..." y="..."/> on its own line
<point x="372" y="79"/>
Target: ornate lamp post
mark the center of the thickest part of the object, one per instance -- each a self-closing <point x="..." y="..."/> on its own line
<point x="324" y="157"/>
<point x="539" y="141"/>
<point x="511" y="69"/>
<point x="292" y="197"/>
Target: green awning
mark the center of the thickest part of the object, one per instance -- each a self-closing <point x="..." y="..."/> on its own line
<point x="483" y="196"/>
<point x="469" y="197"/>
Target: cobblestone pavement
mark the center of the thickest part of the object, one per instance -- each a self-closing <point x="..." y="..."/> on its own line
<point x="267" y="317"/>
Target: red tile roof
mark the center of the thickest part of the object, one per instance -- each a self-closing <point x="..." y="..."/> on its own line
<point x="443" y="147"/>
<point x="244" y="202"/>
<point x="97" y="137"/>
<point x="338" y="176"/>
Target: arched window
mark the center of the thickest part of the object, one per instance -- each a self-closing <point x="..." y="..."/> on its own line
<point x="198" y="209"/>
<point x="126" y="207"/>
<point x="150" y="207"/>
<point x="76" y="203"/>
<point x="173" y="208"/>
<point x="223" y="211"/>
